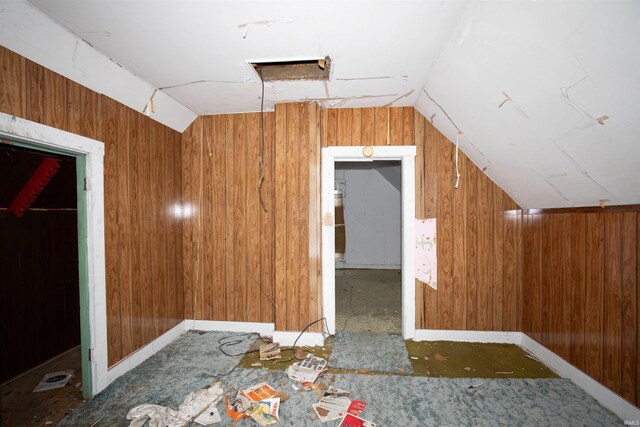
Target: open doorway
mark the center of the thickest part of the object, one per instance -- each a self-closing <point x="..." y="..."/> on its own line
<point x="368" y="246"/>
<point x="40" y="304"/>
<point x="332" y="156"/>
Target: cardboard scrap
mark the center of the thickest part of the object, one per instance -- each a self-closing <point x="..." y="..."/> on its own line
<point x="270" y="351"/>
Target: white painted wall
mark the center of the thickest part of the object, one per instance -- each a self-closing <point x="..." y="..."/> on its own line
<point x="372" y="207"/>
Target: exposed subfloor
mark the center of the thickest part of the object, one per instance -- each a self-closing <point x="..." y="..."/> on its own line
<point x="194" y="361"/>
<point x="369" y="300"/>
<point x="19" y="406"/>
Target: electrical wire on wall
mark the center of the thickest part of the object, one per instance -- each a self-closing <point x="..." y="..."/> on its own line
<point x="261" y="158"/>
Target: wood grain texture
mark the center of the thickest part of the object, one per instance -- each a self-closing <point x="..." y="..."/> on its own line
<point x="592" y="264"/>
<point x="35" y="93"/>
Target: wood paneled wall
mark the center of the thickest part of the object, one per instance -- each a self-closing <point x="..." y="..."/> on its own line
<point x="39" y="303"/>
<point x="229" y="241"/>
<point x="142" y="183"/>
<point x="478" y="223"/>
<point x="581" y="280"/>
<point x="297" y="198"/>
<point x="243" y="257"/>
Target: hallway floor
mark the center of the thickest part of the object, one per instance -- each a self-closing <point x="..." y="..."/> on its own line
<point x="369" y="300"/>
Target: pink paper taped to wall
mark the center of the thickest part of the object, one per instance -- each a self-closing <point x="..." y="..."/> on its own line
<point x="426" y="252"/>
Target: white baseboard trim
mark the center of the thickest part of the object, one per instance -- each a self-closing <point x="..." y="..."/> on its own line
<point x="265" y="329"/>
<point x="143" y="353"/>
<point x="607" y="398"/>
<point x="310" y="339"/>
<point x="468" y="336"/>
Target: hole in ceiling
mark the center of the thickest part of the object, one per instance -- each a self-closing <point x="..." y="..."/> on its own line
<point x="312" y="69"/>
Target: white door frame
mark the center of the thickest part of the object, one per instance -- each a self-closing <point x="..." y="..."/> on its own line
<point x="89" y="155"/>
<point x="406" y="155"/>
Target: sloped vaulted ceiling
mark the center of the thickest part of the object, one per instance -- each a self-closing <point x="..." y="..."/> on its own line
<point x="541" y="94"/>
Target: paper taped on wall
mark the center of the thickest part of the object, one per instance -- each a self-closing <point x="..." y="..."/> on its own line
<point x="426" y="253"/>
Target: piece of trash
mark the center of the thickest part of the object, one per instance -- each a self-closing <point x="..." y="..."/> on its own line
<point x="208" y="417"/>
<point x="468" y="369"/>
<point x="401" y="369"/>
<point x="356" y="407"/>
<point x="256" y="364"/>
<point x="333" y="405"/>
<point x="265" y="412"/>
<point x="531" y="357"/>
<point x="296" y="387"/>
<point x="355" y="421"/>
<point x="54" y="380"/>
<point x="201" y="403"/>
<point x="246" y="400"/>
<point x="475" y="385"/>
<point x="299" y="354"/>
<point x="362" y="371"/>
<point x="308" y="369"/>
<point x="282" y="396"/>
<point x="325" y="355"/>
<point x="270" y="351"/>
<point x="504" y="372"/>
<point x="48" y="423"/>
<point x="414" y="358"/>
<point x="440" y="358"/>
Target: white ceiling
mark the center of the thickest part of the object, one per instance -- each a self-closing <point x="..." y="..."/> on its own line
<point x="563" y="65"/>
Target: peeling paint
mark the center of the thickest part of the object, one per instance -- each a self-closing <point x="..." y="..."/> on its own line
<point x="399" y="98"/>
<point x="199" y="82"/>
<point x="267" y="23"/>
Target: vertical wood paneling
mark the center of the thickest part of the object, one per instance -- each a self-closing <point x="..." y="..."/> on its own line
<point x="472" y="249"/>
<point x="510" y="297"/>
<point x="34" y="92"/>
<point x="303" y="215"/>
<point x="630" y="273"/>
<point x="267" y="224"/>
<point x="231" y="195"/>
<point x="281" y="209"/>
<point x="446" y="182"/>
<point x="545" y="278"/>
<point x="485" y="253"/>
<point x="498" y="257"/>
<point x="592" y="266"/>
<point x="612" y="333"/>
<point x="253" y="217"/>
<point x="594" y="295"/>
<point x="219" y="218"/>
<point x="207" y="245"/>
<point x="55" y="103"/>
<point x="420" y="205"/>
<point x="368" y="126"/>
<point x="111" y="230"/>
<point x="381" y="126"/>
<point x="12" y="84"/>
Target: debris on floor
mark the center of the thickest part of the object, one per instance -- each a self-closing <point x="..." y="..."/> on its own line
<point x="265" y="412"/>
<point x="440" y="358"/>
<point x="333" y="405"/>
<point x="199" y="407"/>
<point x="307" y="370"/>
<point x="355" y="421"/>
<point x="246" y="400"/>
<point x="54" y="380"/>
<point x="270" y="351"/>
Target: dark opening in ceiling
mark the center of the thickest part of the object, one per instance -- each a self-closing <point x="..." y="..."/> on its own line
<point x="313" y="69"/>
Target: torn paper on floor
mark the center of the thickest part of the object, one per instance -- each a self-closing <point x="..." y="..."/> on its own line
<point x="308" y="369"/>
<point x="265" y="412"/>
<point x="54" y="380"/>
<point x="333" y="405"/>
<point x="355" y="421"/>
<point x="246" y="400"/>
<point x="199" y="406"/>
